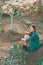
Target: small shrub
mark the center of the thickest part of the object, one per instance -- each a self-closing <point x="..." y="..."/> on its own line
<point x="2" y="30"/>
<point x="40" y="62"/>
<point x="41" y="19"/>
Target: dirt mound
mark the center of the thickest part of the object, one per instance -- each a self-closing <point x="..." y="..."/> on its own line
<point x="18" y="27"/>
<point x="3" y="54"/>
<point x="10" y="36"/>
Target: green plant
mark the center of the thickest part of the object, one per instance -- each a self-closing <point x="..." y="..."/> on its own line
<point x="41" y="19"/>
<point x="10" y="60"/>
<point x="40" y="62"/>
<point x="2" y="30"/>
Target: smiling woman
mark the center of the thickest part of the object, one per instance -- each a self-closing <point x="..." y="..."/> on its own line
<point x="33" y="40"/>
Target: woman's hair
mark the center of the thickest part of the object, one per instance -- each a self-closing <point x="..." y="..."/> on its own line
<point x="34" y="27"/>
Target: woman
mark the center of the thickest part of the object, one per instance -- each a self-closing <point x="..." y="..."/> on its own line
<point x="34" y="39"/>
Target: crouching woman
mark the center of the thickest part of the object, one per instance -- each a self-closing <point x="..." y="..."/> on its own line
<point x="34" y="39"/>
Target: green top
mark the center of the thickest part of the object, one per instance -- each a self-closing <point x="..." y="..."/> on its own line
<point x="34" y="41"/>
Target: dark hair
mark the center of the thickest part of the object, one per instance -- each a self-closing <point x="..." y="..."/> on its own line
<point x="34" y="27"/>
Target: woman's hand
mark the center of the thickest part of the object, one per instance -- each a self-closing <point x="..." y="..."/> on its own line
<point x="27" y="32"/>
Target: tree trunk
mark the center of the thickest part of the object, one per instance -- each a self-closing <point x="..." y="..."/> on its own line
<point x="11" y="27"/>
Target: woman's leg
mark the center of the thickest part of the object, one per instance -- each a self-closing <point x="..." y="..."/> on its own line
<point x="25" y="48"/>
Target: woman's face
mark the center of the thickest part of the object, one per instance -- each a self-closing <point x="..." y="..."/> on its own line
<point x="31" y="29"/>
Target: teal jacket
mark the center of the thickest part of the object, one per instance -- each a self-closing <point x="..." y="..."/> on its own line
<point x="34" y="41"/>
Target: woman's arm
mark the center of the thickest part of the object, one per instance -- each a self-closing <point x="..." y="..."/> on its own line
<point x="31" y="37"/>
